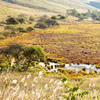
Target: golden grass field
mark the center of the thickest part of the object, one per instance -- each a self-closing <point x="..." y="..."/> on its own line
<point x="32" y="86"/>
<point x="78" y="43"/>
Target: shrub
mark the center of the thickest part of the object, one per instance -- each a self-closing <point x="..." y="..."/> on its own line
<point x="91" y="73"/>
<point x="72" y="92"/>
<point x="2" y="36"/>
<point x="95" y="71"/>
<point x="41" y="25"/>
<point x="49" y="67"/>
<point x="10" y="27"/>
<point x="21" y="29"/>
<point x="51" y="22"/>
<point x="59" y="15"/>
<point x="98" y="19"/>
<point x="60" y="69"/>
<point x="12" y="21"/>
<point x="30" y="28"/>
<point x="34" y="53"/>
<point x="21" y="20"/>
<point x="30" y="22"/>
<point x="63" y="17"/>
<point x="31" y="18"/>
<point x="84" y="69"/>
<point x="53" y="17"/>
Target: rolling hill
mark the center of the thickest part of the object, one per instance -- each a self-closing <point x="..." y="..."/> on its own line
<point x="42" y="6"/>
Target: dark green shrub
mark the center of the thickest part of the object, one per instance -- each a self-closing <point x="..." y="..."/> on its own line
<point x="31" y="18"/>
<point x="41" y="25"/>
<point x="51" y="22"/>
<point x="53" y="17"/>
<point x="21" y="29"/>
<point x="63" y="17"/>
<point x="21" y="20"/>
<point x="59" y="15"/>
<point x="34" y="53"/>
<point x="98" y="19"/>
<point x="12" y="21"/>
<point x="10" y="27"/>
<point x="95" y="71"/>
<point x="83" y="69"/>
<point x="30" y="28"/>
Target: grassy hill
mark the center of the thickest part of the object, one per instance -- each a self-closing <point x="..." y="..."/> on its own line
<point x="44" y="6"/>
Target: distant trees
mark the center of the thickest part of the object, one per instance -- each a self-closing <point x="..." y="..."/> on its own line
<point x="95" y="15"/>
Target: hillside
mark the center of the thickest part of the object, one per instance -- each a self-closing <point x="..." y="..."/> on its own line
<point x="44" y="6"/>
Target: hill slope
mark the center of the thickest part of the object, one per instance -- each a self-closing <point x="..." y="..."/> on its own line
<point x="54" y="6"/>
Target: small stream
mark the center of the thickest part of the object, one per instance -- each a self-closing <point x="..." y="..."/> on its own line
<point x="77" y="67"/>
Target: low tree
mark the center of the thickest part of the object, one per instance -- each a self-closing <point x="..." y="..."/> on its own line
<point x="21" y="20"/>
<point x="30" y="28"/>
<point x="41" y="25"/>
<point x="63" y="17"/>
<point x="53" y="17"/>
<point x="12" y="20"/>
<point x="34" y="53"/>
<point x="51" y="22"/>
<point x="10" y="27"/>
<point x="31" y="18"/>
<point x="12" y="51"/>
<point x="21" y="29"/>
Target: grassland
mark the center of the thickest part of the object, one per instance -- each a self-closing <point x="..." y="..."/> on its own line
<point x="42" y="87"/>
<point x="77" y="43"/>
<point x="45" y="6"/>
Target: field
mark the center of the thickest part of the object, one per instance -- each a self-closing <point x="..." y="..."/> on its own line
<point x="28" y="86"/>
<point x="51" y="6"/>
<point x="77" y="43"/>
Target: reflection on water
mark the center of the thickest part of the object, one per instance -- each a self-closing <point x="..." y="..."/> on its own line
<point x="77" y="67"/>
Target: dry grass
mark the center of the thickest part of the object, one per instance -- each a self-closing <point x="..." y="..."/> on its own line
<point x="77" y="43"/>
<point x="29" y="86"/>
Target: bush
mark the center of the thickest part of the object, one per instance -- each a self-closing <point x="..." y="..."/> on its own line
<point x="10" y="27"/>
<point x="31" y="18"/>
<point x="51" y="22"/>
<point x="2" y="36"/>
<point x="12" y="21"/>
<point x="30" y="28"/>
<point x="41" y="25"/>
<point x="21" y="20"/>
<point x="98" y="19"/>
<point x="30" y="22"/>
<point x="63" y="17"/>
<point x="84" y="69"/>
<point x="53" y="17"/>
<point x="21" y="29"/>
<point x="34" y="53"/>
